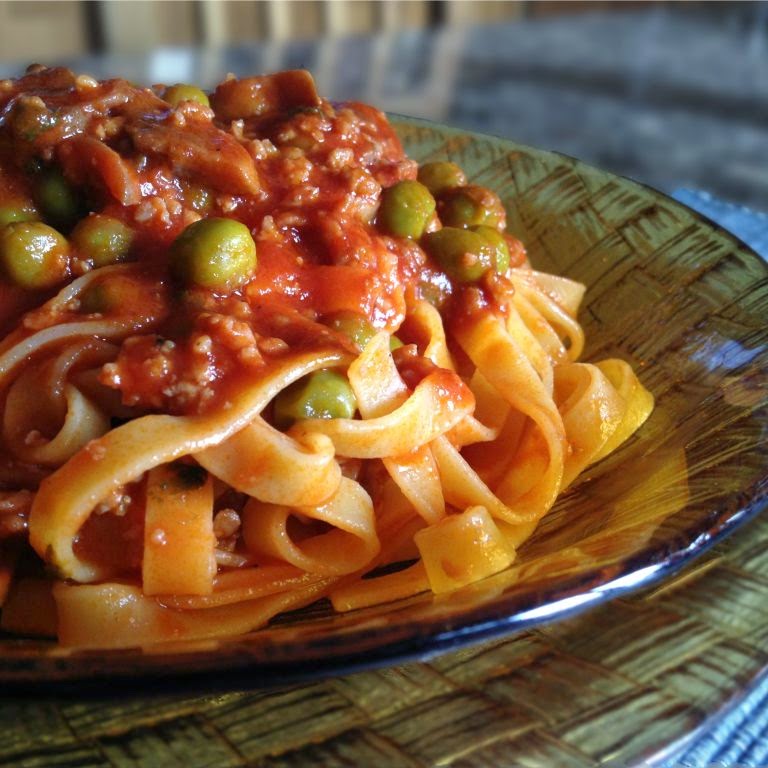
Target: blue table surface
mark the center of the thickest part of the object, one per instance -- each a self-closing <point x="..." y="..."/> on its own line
<point x="739" y="738"/>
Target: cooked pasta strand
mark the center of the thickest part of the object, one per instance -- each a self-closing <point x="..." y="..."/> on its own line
<point x="67" y="497"/>
<point x="178" y="529"/>
<point x="203" y="420"/>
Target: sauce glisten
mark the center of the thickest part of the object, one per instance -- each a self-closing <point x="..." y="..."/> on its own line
<point x="254" y="356"/>
<point x="304" y="175"/>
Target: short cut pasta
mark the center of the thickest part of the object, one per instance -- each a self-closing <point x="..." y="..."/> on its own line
<point x="253" y="356"/>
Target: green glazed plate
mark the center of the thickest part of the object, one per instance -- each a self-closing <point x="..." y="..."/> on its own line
<point x="684" y="302"/>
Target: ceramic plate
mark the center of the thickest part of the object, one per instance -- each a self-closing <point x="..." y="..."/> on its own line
<point x="681" y="300"/>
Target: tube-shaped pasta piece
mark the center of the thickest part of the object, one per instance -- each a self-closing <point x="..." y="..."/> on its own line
<point x="178" y="531"/>
<point x="463" y="548"/>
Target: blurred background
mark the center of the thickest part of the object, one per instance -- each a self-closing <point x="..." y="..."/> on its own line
<point x="671" y="94"/>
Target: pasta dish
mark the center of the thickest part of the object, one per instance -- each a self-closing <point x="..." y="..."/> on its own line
<point x="253" y="356"/>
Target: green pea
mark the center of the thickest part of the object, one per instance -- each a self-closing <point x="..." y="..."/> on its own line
<point x="102" y="239"/>
<point x="358" y="328"/>
<point x="113" y="294"/>
<point x="323" y="394"/>
<point x="30" y="118"/>
<point x="499" y="242"/>
<point x="57" y="199"/>
<point x="406" y="209"/>
<point x="471" y="206"/>
<point x="435" y="291"/>
<point x="198" y="198"/>
<point x="464" y="255"/>
<point x="33" y="255"/>
<point x="180" y="92"/>
<point x="219" y="254"/>
<point x="439" y="176"/>
<point x="96" y="299"/>
<point x="17" y="209"/>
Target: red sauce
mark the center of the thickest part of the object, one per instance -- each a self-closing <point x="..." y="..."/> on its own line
<point x="114" y="535"/>
<point x="304" y="175"/>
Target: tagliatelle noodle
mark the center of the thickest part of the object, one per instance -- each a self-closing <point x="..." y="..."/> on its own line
<point x="66" y="498"/>
<point x="211" y="434"/>
<point x="178" y="528"/>
<point x="530" y="485"/>
<point x="115" y="615"/>
<point x="425" y="415"/>
<point x="265" y="463"/>
<point x="349" y="545"/>
<point x="77" y="419"/>
<point x="379" y="391"/>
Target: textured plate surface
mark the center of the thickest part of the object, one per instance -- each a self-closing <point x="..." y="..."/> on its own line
<point x="680" y="300"/>
<point x="614" y="687"/>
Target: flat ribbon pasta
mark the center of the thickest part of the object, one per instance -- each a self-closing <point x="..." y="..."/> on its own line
<point x="462" y="549"/>
<point x="41" y="396"/>
<point x="380" y="390"/>
<point x="178" y="529"/>
<point x="21" y="346"/>
<point x="438" y="403"/>
<point x="118" y="615"/>
<point x="556" y="301"/>
<point x="242" y="584"/>
<point x="566" y="292"/>
<point x="463" y="487"/>
<point x="271" y="466"/>
<point x="67" y="497"/>
<point x="30" y="346"/>
<point x="348" y="546"/>
<point x="166" y="472"/>
<point x="428" y="323"/>
<point x="592" y="410"/>
<point x="537" y="466"/>
<point x="637" y="399"/>
<point x="363" y="593"/>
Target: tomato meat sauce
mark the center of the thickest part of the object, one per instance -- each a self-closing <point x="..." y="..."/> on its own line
<point x="251" y="217"/>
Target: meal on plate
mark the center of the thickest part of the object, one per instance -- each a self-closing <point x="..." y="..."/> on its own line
<point x="254" y="356"/>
